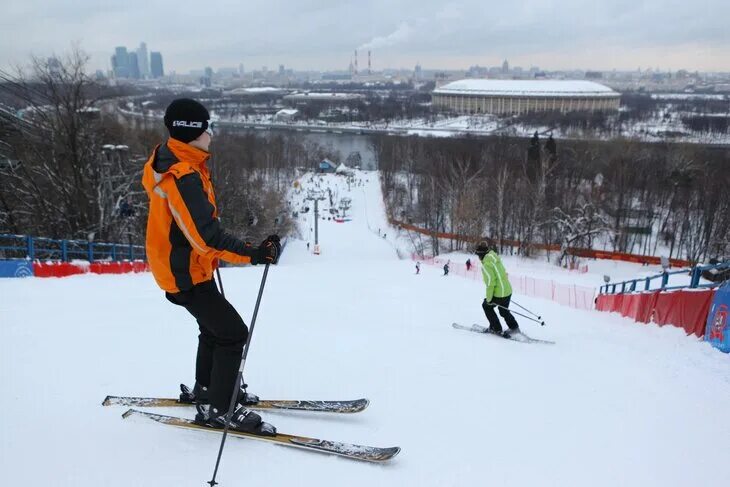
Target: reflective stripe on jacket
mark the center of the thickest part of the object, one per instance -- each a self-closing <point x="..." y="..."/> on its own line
<point x="495" y="276"/>
<point x="184" y="236"/>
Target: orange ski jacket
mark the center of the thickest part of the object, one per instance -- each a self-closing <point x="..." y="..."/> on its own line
<point x="184" y="236"/>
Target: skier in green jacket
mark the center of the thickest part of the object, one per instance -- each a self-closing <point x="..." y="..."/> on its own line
<point x="499" y="290"/>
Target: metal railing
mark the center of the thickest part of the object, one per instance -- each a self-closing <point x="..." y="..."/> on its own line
<point x="41" y="248"/>
<point x="645" y="283"/>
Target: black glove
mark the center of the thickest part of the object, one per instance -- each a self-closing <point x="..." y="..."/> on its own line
<point x="267" y="252"/>
<point x="276" y="241"/>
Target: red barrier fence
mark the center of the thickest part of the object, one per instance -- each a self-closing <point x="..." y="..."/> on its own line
<point x="579" y="297"/>
<point x="683" y="308"/>
<point x="578" y="252"/>
<point x="63" y="269"/>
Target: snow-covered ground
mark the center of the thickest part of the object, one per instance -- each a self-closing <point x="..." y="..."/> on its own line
<point x="612" y="403"/>
<point x="659" y="128"/>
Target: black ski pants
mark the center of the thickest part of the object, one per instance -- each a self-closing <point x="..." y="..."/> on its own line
<point x="503" y="311"/>
<point x="220" y="343"/>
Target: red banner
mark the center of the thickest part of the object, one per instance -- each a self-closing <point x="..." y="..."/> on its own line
<point x="64" y="269"/>
<point x="684" y="308"/>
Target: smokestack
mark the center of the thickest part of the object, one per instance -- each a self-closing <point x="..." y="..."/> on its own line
<point x="369" y="65"/>
<point x="355" y="61"/>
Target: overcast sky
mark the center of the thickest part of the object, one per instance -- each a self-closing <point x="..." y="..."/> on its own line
<point x="322" y="34"/>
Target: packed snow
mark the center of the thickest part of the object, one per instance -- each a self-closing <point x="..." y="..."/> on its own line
<point x="611" y="403"/>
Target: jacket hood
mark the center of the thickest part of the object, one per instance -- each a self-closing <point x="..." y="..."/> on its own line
<point x="173" y="157"/>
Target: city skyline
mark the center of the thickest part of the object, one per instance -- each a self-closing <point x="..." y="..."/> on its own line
<point x="322" y="34"/>
<point x="136" y="64"/>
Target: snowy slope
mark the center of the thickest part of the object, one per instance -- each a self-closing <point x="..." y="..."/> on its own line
<point x="612" y="403"/>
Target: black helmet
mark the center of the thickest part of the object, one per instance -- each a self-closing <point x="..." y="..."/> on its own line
<point x="484" y="247"/>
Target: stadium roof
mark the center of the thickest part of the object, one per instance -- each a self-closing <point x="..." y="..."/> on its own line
<point x="501" y="87"/>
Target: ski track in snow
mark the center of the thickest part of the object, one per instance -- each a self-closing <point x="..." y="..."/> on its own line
<point x="612" y="403"/>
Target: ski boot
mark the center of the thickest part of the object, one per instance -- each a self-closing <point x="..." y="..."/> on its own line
<point x="243" y="420"/>
<point x="495" y="331"/>
<point x="513" y="332"/>
<point x="199" y="395"/>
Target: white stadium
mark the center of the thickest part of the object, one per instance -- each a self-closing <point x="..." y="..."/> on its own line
<point x="473" y="96"/>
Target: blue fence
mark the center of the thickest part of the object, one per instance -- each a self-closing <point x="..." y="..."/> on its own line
<point x="40" y="248"/>
<point x="661" y="281"/>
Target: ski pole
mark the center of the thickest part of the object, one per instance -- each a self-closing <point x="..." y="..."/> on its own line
<point x="533" y="314"/>
<point x="542" y="323"/>
<point x="239" y="377"/>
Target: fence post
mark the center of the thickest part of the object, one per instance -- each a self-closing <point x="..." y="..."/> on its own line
<point x="696" y="273"/>
<point x="90" y="252"/>
<point x="30" y="250"/>
<point x="64" y="250"/>
<point x="114" y="252"/>
<point x="647" y="285"/>
<point x="131" y="252"/>
<point x="665" y="279"/>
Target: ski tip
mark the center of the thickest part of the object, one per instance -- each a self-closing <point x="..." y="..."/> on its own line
<point x="385" y="455"/>
<point x="128" y="413"/>
<point x="107" y="401"/>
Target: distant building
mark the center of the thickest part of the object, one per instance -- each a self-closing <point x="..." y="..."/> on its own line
<point x="286" y="115"/>
<point x="505" y="67"/>
<point x="54" y="65"/>
<point x="332" y="98"/>
<point x="120" y="62"/>
<point x="143" y="61"/>
<point x="156" y="68"/>
<point x="227" y="72"/>
<point x="327" y="166"/>
<point x="133" y="64"/>
<point x="477" y="72"/>
<point x="207" y="78"/>
<point x="473" y="96"/>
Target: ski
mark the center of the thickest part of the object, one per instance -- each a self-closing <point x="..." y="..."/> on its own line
<point x="518" y="337"/>
<point x="346" y="407"/>
<point x="347" y="450"/>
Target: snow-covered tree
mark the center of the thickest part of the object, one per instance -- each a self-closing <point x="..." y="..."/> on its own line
<point x="576" y="228"/>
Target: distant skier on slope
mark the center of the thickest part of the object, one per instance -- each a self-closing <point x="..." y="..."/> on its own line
<point x="184" y="242"/>
<point x="446" y="268"/>
<point x="418" y="267"/>
<point x="499" y="290"/>
<point x="468" y="265"/>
